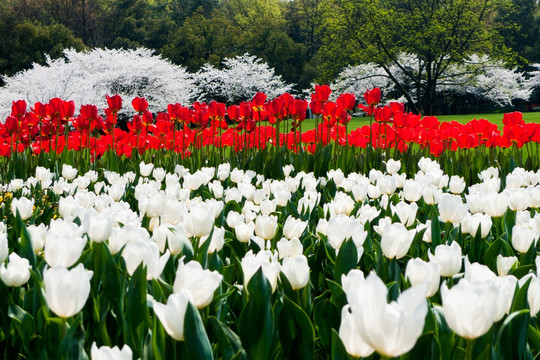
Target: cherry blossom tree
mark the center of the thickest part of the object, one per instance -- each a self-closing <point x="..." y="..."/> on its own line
<point x="86" y="77"/>
<point x="239" y="79"/>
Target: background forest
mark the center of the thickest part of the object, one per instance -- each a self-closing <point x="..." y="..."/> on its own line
<point x="305" y="41"/>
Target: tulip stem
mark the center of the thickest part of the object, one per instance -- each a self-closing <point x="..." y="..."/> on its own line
<point x="64" y="327"/>
<point x="469" y="349"/>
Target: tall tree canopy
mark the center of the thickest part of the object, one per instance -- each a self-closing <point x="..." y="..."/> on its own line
<point x="438" y="32"/>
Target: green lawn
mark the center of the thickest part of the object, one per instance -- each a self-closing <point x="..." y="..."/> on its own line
<point x="495" y="118"/>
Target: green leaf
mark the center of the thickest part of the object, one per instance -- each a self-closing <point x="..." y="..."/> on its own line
<point x="72" y="345"/>
<point x="195" y="337"/>
<point x="326" y="317"/>
<point x="256" y="322"/>
<point x="534" y="337"/>
<point x="23" y="323"/>
<point x="435" y="227"/>
<point x="512" y="336"/>
<point x="27" y="250"/>
<point x="338" y="349"/>
<point x="296" y="332"/>
<point x="136" y="310"/>
<point x="338" y="298"/>
<point x="229" y="343"/>
<point x="346" y="260"/>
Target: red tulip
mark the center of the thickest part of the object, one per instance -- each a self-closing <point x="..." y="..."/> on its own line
<point x="373" y="97"/>
<point x="346" y="101"/>
<point x="114" y="102"/>
<point x="139" y="104"/>
<point x="18" y="108"/>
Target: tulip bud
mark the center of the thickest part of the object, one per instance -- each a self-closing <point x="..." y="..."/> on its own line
<point x="108" y="353"/>
<point x="393" y="166"/>
<point x="494" y="204"/>
<point x="217" y="241"/>
<point x="376" y="320"/>
<point x="533" y="292"/>
<point x="37" y="236"/>
<point x="244" y="231"/>
<point x="174" y="236"/>
<point x="66" y="291"/>
<point x="405" y="212"/>
<point x="17" y="272"/>
<point x="431" y="194"/>
<point x="297" y="271"/>
<point x="474" y="202"/>
<point x="159" y="174"/>
<point x="518" y="199"/>
<point x="387" y="184"/>
<point x="412" y="190"/>
<point x="154" y="204"/>
<point x="4" y="250"/>
<point x="457" y="184"/>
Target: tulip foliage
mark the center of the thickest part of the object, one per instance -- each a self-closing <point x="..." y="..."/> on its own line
<point x="227" y="263"/>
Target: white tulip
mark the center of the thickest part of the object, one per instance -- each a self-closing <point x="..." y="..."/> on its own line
<point x="391" y="329"/>
<point x="418" y="272"/>
<point x="523" y="238"/>
<point x="24" y="206"/>
<point x="289" y="248"/>
<point x="449" y="258"/>
<point x="265" y="259"/>
<point x="451" y="209"/>
<point x="200" y="283"/>
<point x="173" y="314"/>
<point x="396" y="240"/>
<point x="294" y="228"/>
<point x="351" y="337"/>
<point x="504" y="264"/>
<point x="297" y="271"/>
<point x="68" y="172"/>
<point x="108" y="353"/>
<point x="17" y="272"/>
<point x="140" y="251"/>
<point x="469" y="309"/>
<point x="66" y="291"/>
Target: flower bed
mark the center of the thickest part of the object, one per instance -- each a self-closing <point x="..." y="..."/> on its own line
<point x="226" y="263"/>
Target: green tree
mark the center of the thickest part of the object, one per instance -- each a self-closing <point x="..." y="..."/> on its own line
<point x="522" y="30"/>
<point x="24" y="43"/>
<point x="263" y="32"/>
<point x="439" y="33"/>
<point x="202" y="40"/>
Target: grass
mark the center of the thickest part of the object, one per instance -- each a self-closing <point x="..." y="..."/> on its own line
<point x="495" y="118"/>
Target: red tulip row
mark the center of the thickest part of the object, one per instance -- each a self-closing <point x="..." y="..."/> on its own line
<point x="250" y="124"/>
